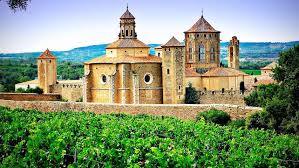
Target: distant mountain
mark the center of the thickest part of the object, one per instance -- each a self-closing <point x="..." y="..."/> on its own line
<point x="248" y="50"/>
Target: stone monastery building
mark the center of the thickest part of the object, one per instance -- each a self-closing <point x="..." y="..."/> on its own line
<point x="128" y="74"/>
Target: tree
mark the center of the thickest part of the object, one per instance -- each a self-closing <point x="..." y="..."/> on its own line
<point x="191" y="95"/>
<point x="17" y="4"/>
<point x="281" y="101"/>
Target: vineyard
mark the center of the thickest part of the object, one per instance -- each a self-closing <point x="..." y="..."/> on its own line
<point x="30" y="138"/>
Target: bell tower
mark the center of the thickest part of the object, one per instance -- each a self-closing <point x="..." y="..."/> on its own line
<point x="127" y="25"/>
<point x="47" y="74"/>
<point x="233" y="53"/>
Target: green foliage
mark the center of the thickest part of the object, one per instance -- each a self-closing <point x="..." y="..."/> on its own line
<point x="80" y="99"/>
<point x="257" y="120"/>
<point x="37" y="90"/>
<point x="280" y="101"/>
<point x="253" y="65"/>
<point x="214" y="116"/>
<point x="17" y="71"/>
<point x="239" y="123"/>
<point x="251" y="71"/>
<point x="191" y="95"/>
<point x="76" y="139"/>
<point x="263" y="94"/>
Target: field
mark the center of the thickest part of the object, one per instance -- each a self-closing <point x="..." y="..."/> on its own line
<point x="76" y="139"/>
<point x="251" y="72"/>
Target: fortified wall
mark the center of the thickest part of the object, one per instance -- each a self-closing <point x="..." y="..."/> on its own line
<point x="69" y="90"/>
<point x="181" y="111"/>
<point x="225" y="97"/>
<point x="30" y="96"/>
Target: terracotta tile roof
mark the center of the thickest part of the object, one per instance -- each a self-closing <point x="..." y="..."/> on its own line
<point x="220" y="71"/>
<point x="173" y="42"/>
<point x="127" y="15"/>
<point x="270" y="66"/>
<point x="264" y="82"/>
<point x="189" y="72"/>
<point x="202" y="26"/>
<point x="47" y="54"/>
<point x="127" y="43"/>
<point x="125" y="59"/>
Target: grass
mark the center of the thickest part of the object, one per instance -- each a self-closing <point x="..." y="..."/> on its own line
<point x="251" y="72"/>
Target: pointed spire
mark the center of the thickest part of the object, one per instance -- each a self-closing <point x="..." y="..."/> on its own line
<point x="127" y="6"/>
<point x="202" y="12"/>
<point x="47" y="54"/>
<point x="127" y="14"/>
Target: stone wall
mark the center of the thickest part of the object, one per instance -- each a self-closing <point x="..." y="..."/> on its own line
<point x="29" y="96"/>
<point x="226" y="97"/>
<point x="182" y="111"/>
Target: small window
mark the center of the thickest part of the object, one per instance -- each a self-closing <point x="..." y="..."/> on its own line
<point x="50" y="61"/>
<point x="168" y="71"/>
<point x="41" y="61"/>
<point x="148" y="78"/>
<point x="205" y="35"/>
<point x="158" y="54"/>
<point x="103" y="79"/>
<point x="125" y="51"/>
<point x="222" y="90"/>
<point x="127" y="32"/>
<point x="197" y="35"/>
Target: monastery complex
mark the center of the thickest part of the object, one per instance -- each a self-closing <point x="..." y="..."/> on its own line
<point x="128" y="74"/>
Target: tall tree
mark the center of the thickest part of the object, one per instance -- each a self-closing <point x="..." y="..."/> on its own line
<point x="17" y="4"/>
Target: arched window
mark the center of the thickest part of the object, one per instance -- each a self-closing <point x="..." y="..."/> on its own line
<point x="212" y="56"/>
<point x="202" y="53"/>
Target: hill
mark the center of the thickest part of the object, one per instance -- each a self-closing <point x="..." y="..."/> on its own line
<point x="248" y="51"/>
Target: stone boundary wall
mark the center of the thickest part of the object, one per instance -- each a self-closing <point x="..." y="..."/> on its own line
<point x="29" y="97"/>
<point x="182" y="111"/>
<point x="226" y="97"/>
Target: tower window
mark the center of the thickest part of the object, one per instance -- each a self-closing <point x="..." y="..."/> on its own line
<point x="127" y="32"/>
<point x="168" y="71"/>
<point x="205" y="35"/>
<point x="202" y="54"/>
<point x="158" y="54"/>
<point x="190" y="53"/>
<point x="50" y="61"/>
<point x="212" y="57"/>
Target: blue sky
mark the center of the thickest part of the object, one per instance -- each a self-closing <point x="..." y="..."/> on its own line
<point x="66" y="24"/>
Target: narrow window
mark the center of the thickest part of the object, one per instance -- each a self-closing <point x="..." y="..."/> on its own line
<point x="168" y="71"/>
<point x="158" y="54"/>
<point x="212" y="57"/>
<point x="127" y="32"/>
<point x="201" y="53"/>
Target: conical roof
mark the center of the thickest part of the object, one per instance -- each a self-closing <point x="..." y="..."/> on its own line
<point x="202" y="26"/>
<point x="127" y="15"/>
<point x="173" y="42"/>
<point x="47" y="54"/>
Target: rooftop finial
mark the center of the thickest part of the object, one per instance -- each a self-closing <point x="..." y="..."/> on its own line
<point x="201" y="12"/>
<point x="127" y="6"/>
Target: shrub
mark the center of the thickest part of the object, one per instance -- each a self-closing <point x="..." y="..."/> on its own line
<point x="257" y="120"/>
<point x="240" y="123"/>
<point x="214" y="116"/>
<point x="191" y="95"/>
<point x="37" y="90"/>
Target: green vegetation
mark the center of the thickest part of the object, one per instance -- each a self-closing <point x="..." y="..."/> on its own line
<point x="214" y="116"/>
<point x="76" y="139"/>
<point x="30" y="90"/>
<point x="16" y="71"/>
<point x="253" y="65"/>
<point x="280" y="101"/>
<point x="192" y="96"/>
<point x="251" y="71"/>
